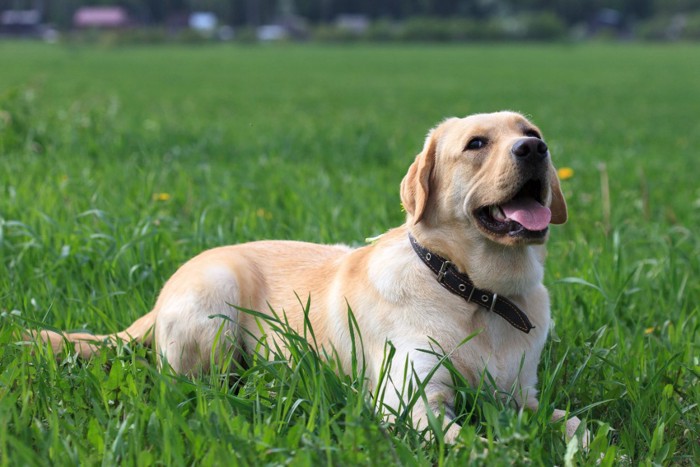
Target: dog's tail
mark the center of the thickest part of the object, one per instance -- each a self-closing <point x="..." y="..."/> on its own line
<point x="85" y="344"/>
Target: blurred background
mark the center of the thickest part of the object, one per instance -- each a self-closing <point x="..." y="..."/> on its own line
<point x="134" y="134"/>
<point x="350" y="20"/>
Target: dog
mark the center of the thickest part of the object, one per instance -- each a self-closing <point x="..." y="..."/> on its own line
<point x="469" y="260"/>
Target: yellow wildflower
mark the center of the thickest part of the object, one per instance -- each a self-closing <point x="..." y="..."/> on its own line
<point x="161" y="196"/>
<point x="263" y="214"/>
<point x="648" y="331"/>
<point x="565" y="173"/>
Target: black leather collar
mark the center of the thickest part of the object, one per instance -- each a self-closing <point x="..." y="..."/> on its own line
<point x="460" y="284"/>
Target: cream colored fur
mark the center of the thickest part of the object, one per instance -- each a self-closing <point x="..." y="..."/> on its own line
<point x="393" y="295"/>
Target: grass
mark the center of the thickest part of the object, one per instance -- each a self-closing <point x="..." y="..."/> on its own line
<point x="117" y="165"/>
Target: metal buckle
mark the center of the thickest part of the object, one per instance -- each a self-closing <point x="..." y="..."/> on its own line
<point x="443" y="271"/>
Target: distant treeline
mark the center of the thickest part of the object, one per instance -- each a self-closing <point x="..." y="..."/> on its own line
<point x="258" y="12"/>
<point x="390" y="20"/>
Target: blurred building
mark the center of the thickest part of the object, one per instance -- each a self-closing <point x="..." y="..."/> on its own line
<point x="26" y="23"/>
<point x="101" y="17"/>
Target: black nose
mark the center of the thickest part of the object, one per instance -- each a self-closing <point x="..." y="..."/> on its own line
<point x="529" y="149"/>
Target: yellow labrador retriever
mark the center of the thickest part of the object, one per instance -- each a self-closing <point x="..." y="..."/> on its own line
<point x="479" y="199"/>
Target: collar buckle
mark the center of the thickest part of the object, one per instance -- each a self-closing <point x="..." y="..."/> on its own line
<point x="443" y="271"/>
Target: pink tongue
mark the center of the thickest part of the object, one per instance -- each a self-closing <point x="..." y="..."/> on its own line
<point x="528" y="213"/>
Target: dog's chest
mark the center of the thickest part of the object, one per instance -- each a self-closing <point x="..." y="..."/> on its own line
<point x="508" y="354"/>
<point x="425" y="314"/>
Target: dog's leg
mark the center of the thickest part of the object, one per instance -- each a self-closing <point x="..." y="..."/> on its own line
<point x="572" y="423"/>
<point x="437" y="395"/>
<point x="197" y="319"/>
<point x="416" y="377"/>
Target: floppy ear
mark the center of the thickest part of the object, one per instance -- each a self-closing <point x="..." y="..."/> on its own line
<point x="415" y="186"/>
<point x="558" y="207"/>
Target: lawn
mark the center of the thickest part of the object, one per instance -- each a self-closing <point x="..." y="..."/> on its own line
<point x="119" y="164"/>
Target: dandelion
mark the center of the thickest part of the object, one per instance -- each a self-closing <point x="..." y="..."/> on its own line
<point x="161" y="196"/>
<point x="263" y="214"/>
<point x="648" y="331"/>
<point x="565" y="173"/>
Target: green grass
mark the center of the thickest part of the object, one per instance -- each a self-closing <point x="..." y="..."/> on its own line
<point x="117" y="165"/>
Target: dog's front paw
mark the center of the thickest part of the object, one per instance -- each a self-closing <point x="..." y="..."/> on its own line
<point x="572" y="425"/>
<point x="452" y="433"/>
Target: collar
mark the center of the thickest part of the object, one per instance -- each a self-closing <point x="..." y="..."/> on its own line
<point x="460" y="284"/>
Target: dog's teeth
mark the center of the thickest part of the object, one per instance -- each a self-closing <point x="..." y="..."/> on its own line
<point x="497" y="213"/>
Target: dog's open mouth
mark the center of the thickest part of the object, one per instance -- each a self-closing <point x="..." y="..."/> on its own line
<point x="524" y="215"/>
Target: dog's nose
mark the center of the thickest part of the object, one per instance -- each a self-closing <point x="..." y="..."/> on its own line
<point x="529" y="149"/>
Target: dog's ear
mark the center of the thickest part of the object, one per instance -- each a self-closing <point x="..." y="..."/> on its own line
<point x="558" y="207"/>
<point x="415" y="186"/>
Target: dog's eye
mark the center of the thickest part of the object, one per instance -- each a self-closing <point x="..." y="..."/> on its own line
<point x="476" y="143"/>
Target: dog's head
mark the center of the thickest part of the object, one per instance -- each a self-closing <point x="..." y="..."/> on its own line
<point x="492" y="171"/>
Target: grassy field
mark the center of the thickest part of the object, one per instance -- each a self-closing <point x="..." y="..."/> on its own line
<point x="117" y="165"/>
